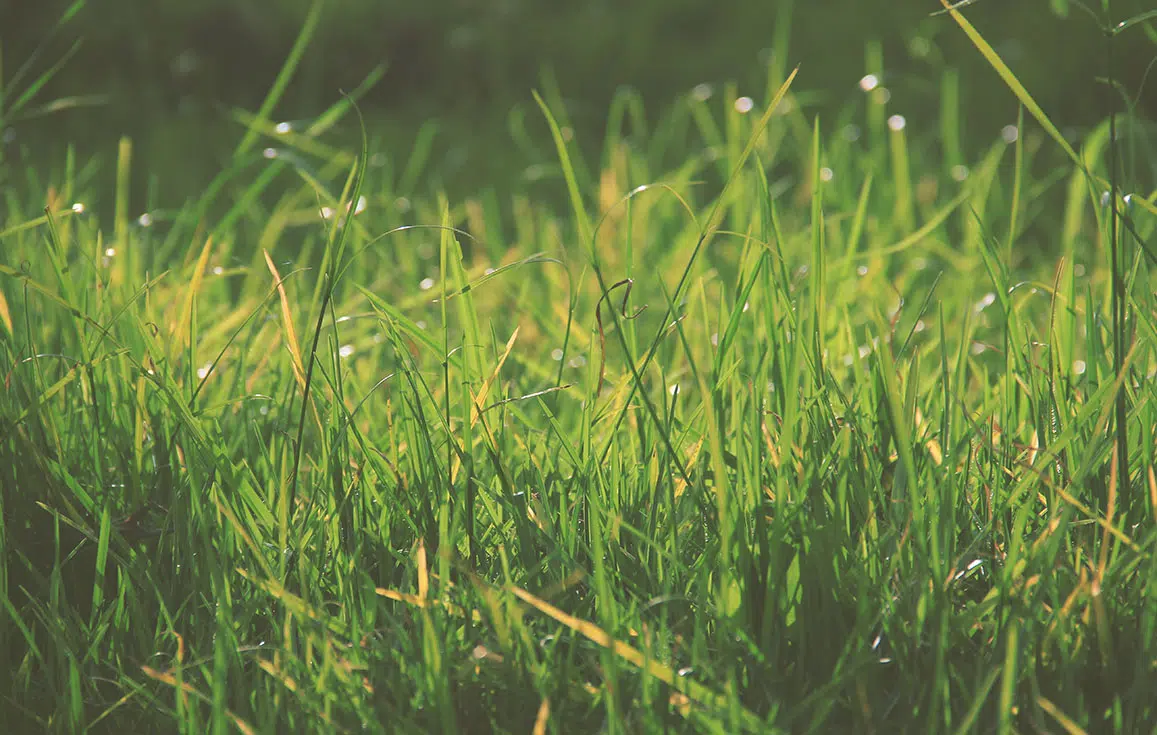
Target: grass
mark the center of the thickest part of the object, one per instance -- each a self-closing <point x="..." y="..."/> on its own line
<point x="784" y="424"/>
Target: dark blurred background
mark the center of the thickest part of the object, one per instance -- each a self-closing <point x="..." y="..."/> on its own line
<point x="167" y="71"/>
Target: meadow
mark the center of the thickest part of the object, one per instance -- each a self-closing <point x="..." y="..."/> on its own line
<point x="755" y="420"/>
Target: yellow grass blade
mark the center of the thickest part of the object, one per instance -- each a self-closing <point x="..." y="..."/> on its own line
<point x="167" y="678"/>
<point x="1062" y="719"/>
<point x="5" y="314"/>
<point x="695" y="691"/>
<point x="481" y="397"/>
<point x="186" y="317"/>
<point x="287" y="320"/>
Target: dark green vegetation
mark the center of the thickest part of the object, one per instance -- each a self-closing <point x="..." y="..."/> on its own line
<point x="758" y="421"/>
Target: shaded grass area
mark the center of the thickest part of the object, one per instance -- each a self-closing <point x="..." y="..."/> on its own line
<point x="753" y="425"/>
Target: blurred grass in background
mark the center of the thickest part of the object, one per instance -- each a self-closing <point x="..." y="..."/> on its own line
<point x="169" y="71"/>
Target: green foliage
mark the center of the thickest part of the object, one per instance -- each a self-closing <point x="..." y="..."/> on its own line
<point x="767" y="428"/>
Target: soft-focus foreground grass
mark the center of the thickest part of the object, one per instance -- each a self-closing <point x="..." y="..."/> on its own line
<point x="786" y="424"/>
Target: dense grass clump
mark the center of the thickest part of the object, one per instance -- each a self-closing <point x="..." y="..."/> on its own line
<point x="780" y="425"/>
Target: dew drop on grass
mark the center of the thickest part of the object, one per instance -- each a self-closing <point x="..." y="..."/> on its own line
<point x="985" y="302"/>
<point x="851" y="133"/>
<point x="346" y="350"/>
<point x="881" y="96"/>
<point x="868" y="82"/>
<point x="743" y="105"/>
<point x="702" y="92"/>
<point x="862" y="270"/>
<point x="282" y="128"/>
<point x="1079" y="367"/>
<point x="556" y="354"/>
<point x="218" y="270"/>
<point x="426" y="284"/>
<point x="897" y="123"/>
<point x="959" y="172"/>
<point x="269" y="153"/>
<point x="826" y="174"/>
<point x="1009" y="133"/>
<point x="78" y="207"/>
<point x="145" y="220"/>
<point x="110" y="252"/>
<point x="204" y="370"/>
<point x="577" y="362"/>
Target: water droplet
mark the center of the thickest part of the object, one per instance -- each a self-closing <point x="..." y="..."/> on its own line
<point x="402" y="204"/>
<point x="869" y="82"/>
<point x="1079" y="367"/>
<point x="959" y="172"/>
<point x="282" y="128"/>
<point x="985" y="302"/>
<point x="702" y="92"/>
<point x="556" y="354"/>
<point x="743" y="105"/>
<point x="145" y="220"/>
<point x="881" y="96"/>
<point x="78" y="207"/>
<point x="897" y="123"/>
<point x="110" y="252"/>
<point x="426" y="284"/>
<point x="862" y="270"/>
<point x="218" y="270"/>
<point x="673" y="389"/>
<point x="577" y="362"/>
<point x="1009" y="133"/>
<point x="204" y="370"/>
<point x="826" y="174"/>
<point x="346" y="350"/>
<point x="270" y="153"/>
<point x="851" y="133"/>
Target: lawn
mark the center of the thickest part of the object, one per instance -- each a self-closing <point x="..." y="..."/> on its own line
<point x="754" y="420"/>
